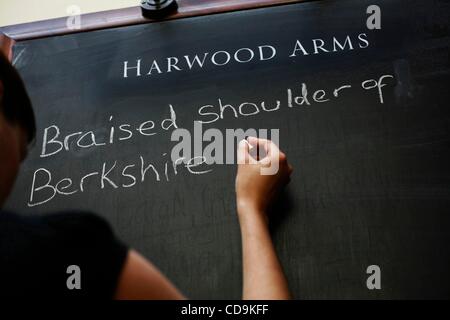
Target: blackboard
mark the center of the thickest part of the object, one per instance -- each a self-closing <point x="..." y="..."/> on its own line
<point x="372" y="178"/>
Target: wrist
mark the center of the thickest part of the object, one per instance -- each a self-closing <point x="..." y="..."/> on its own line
<point x="246" y="207"/>
<point x="250" y="215"/>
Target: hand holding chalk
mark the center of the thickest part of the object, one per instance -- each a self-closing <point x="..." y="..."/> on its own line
<point x="253" y="189"/>
<point x="255" y="151"/>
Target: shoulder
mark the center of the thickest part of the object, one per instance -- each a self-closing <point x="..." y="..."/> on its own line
<point x="78" y="221"/>
<point x="70" y="217"/>
<point x="55" y="241"/>
<point x="86" y="233"/>
<point x="68" y="225"/>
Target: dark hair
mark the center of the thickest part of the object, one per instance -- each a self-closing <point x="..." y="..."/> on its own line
<point x="15" y="103"/>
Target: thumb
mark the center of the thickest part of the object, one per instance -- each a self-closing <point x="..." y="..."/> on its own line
<point x="243" y="152"/>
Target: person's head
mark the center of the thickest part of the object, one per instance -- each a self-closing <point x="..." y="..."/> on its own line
<point x="17" y="125"/>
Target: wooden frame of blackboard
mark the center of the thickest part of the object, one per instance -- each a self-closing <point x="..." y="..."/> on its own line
<point x="6" y="45"/>
<point x="122" y="17"/>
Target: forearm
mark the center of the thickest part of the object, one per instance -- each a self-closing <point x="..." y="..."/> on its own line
<point x="262" y="273"/>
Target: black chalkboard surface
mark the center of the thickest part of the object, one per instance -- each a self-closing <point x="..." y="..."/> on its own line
<point x="371" y="151"/>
